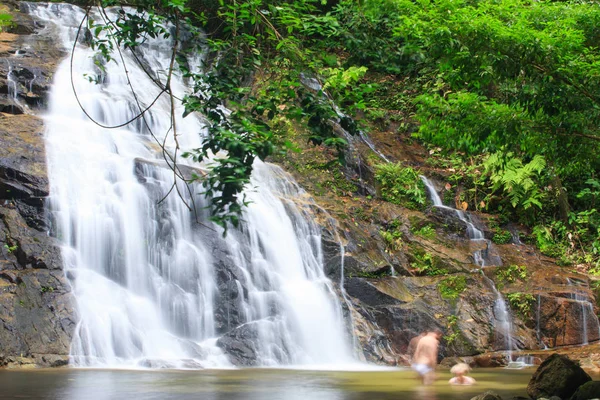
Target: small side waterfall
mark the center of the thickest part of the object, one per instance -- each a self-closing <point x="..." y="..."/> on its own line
<point x="538" y="332"/>
<point x="502" y="317"/>
<point x="154" y="287"/>
<point x="588" y="317"/>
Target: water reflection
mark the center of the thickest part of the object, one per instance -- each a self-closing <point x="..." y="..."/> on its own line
<point x="249" y="384"/>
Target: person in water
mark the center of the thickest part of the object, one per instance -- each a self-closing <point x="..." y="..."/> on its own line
<point x="425" y="359"/>
<point x="412" y="346"/>
<point x="460" y="372"/>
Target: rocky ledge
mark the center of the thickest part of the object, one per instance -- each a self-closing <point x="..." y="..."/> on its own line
<point x="36" y="306"/>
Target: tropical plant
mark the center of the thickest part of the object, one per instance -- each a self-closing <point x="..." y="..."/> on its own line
<point x="401" y="185"/>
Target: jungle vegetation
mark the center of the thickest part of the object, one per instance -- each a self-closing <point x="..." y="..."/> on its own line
<point x="506" y="93"/>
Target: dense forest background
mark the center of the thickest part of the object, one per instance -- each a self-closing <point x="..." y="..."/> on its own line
<point x="504" y="94"/>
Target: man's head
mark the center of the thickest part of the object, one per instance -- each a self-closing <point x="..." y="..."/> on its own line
<point x="437" y="333"/>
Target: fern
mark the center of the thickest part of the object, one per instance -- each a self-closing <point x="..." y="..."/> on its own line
<point x="518" y="181"/>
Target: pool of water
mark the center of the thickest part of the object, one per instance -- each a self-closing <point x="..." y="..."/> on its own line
<point x="250" y="384"/>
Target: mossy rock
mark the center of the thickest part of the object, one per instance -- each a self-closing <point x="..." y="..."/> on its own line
<point x="558" y="376"/>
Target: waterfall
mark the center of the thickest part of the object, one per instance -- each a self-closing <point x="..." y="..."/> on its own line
<point x="538" y="331"/>
<point x="473" y="233"/>
<point x="482" y="258"/>
<point x="588" y="317"/>
<point x="153" y="286"/>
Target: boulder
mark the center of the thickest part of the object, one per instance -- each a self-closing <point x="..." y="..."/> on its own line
<point x="558" y="376"/>
<point x="587" y="391"/>
<point x="240" y="345"/>
<point x="489" y="395"/>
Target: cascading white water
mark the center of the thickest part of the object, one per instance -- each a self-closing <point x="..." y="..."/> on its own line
<point x="588" y="317"/>
<point x="502" y="316"/>
<point x="153" y="287"/>
<point x="538" y="331"/>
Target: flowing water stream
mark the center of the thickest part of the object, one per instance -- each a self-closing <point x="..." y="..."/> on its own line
<point x="589" y="319"/>
<point x="153" y="286"/>
<point x="482" y="257"/>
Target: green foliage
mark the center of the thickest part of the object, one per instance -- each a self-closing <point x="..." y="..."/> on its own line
<point x="401" y="185"/>
<point x="517" y="181"/>
<point x="548" y="238"/>
<point x="426" y="231"/>
<point x="427" y="264"/>
<point x="452" y="287"/>
<point x="453" y="330"/>
<point x="466" y="121"/>
<point x="10" y="248"/>
<point x="522" y="303"/>
<point x="515" y="79"/>
<point x="502" y="236"/>
<point x="6" y="21"/>
<point x="392" y="236"/>
<point x="370" y="274"/>
<point x="512" y="273"/>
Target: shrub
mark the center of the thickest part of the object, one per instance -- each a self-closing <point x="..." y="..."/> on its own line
<point x="521" y="302"/>
<point x="451" y="287"/>
<point x="502" y="236"/>
<point x="401" y="185"/>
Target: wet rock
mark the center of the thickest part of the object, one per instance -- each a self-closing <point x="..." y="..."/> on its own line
<point x="229" y="302"/>
<point x="52" y="360"/>
<point x="37" y="315"/>
<point x="240" y="345"/>
<point x="557" y="376"/>
<point x="490" y="360"/>
<point x="561" y="320"/>
<point x="9" y="106"/>
<point x="489" y="395"/>
<point x="156" y="364"/>
<point x="368" y="294"/>
<point x="30" y="59"/>
<point x="587" y="391"/>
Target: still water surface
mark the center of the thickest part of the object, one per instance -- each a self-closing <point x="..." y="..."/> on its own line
<point x="250" y="384"/>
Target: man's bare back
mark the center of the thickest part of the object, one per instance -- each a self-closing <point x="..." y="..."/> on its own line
<point x="425" y="358"/>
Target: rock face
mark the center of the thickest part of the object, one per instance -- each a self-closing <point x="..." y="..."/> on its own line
<point x="557" y="376"/>
<point x="240" y="344"/>
<point x="587" y="391"/>
<point x="29" y="62"/>
<point x="36" y="310"/>
<point x="36" y="306"/>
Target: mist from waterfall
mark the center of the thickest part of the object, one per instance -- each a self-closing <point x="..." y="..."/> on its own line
<point x="154" y="287"/>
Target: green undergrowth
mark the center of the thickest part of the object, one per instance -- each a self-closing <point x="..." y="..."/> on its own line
<point x="425" y="263"/>
<point x="392" y="236"/>
<point x="426" y="231"/>
<point x="522" y="303"/>
<point x="450" y="288"/>
<point x="401" y="185"/>
<point x="511" y="274"/>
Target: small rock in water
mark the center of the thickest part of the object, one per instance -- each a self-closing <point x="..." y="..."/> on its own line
<point x="557" y="376"/>
<point x="156" y="364"/>
<point x="191" y="364"/>
<point x="489" y="395"/>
